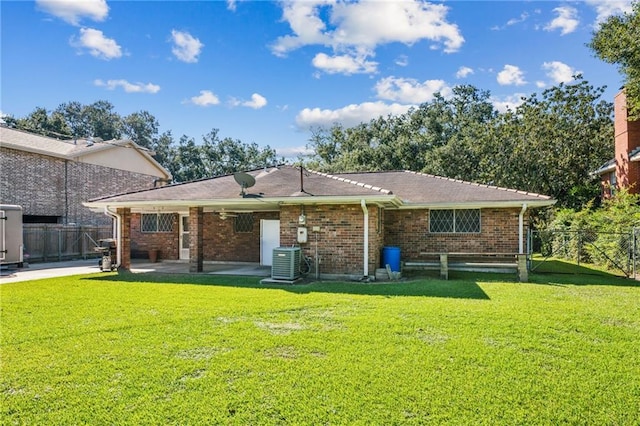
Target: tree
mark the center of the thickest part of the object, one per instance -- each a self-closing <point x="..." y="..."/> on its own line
<point x="617" y="41"/>
<point x="39" y="121"/>
<point x="549" y="145"/>
<point x="401" y="142"/>
<point x="141" y="127"/>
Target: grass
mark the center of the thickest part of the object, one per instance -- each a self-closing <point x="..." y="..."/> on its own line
<point x="187" y="349"/>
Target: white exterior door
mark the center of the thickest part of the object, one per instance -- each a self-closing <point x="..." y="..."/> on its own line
<point x="184" y="237"/>
<point x="269" y="239"/>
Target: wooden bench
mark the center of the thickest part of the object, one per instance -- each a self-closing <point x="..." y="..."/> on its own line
<point x="479" y="262"/>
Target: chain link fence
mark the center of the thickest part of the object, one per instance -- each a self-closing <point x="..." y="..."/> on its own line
<point x="615" y="251"/>
<point x="54" y="243"/>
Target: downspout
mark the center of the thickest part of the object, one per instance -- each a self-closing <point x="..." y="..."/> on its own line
<point x="521" y="229"/>
<point x="116" y="234"/>
<point x="366" y="237"/>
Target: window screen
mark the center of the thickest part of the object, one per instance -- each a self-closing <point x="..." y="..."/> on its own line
<point x="243" y="222"/>
<point x="157" y="222"/>
<point x="458" y="221"/>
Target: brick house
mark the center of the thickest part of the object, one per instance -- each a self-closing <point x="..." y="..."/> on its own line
<point x="623" y="171"/>
<point x="348" y="218"/>
<point x="51" y="178"/>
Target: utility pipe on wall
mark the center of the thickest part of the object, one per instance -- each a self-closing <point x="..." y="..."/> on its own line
<point x="521" y="229"/>
<point x="117" y="234"/>
<point x="366" y="237"/>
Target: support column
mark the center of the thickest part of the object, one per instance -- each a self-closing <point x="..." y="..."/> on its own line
<point x="523" y="273"/>
<point x="125" y="239"/>
<point x="444" y="266"/>
<point x="196" y="226"/>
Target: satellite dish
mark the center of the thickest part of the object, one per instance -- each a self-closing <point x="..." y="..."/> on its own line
<point x="244" y="180"/>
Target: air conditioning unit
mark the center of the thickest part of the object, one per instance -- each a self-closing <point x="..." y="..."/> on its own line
<point x="286" y="263"/>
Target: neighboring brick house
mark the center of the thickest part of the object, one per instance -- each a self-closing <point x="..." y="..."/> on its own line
<point x="51" y="178"/>
<point x="349" y="218"/>
<point x="623" y="171"/>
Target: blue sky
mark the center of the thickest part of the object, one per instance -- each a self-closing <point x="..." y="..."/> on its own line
<point x="266" y="72"/>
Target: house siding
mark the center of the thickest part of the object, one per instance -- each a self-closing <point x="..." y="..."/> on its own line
<point x="409" y="230"/>
<point x="340" y="242"/>
<point x="627" y="138"/>
<point x="220" y="242"/>
<point x="49" y="186"/>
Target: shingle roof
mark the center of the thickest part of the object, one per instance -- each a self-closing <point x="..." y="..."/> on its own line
<point x="69" y="149"/>
<point x="275" y="182"/>
<point x="420" y="188"/>
<point x="18" y="139"/>
<point x="284" y="182"/>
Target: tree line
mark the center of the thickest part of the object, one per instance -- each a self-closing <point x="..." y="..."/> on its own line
<point x="550" y="144"/>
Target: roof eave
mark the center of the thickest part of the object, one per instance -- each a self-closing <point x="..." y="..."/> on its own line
<point x="245" y="203"/>
<point x="479" y="204"/>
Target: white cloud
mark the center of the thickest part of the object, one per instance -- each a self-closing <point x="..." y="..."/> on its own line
<point x="257" y="101"/>
<point x="185" y="47"/>
<point x="559" y="72"/>
<point x="402" y="61"/>
<point x="513" y="21"/>
<point x="72" y="11"/>
<point x="408" y="90"/>
<point x="566" y="20"/>
<point x="541" y="84"/>
<point x="294" y="152"/>
<point x="231" y="5"/>
<point x="606" y="8"/>
<point x="511" y="75"/>
<point x="128" y="87"/>
<point x="343" y="64"/>
<point x="362" y="26"/>
<point x="349" y="116"/>
<point x="510" y="102"/>
<point x="206" y="98"/>
<point x="97" y="44"/>
<point x="464" y="72"/>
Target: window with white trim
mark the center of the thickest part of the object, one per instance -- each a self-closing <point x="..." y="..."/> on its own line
<point x="156" y="222"/>
<point x="463" y="221"/>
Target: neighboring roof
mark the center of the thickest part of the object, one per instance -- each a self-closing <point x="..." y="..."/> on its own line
<point x="284" y="185"/>
<point x="610" y="165"/>
<point x="67" y="149"/>
<point x="607" y="167"/>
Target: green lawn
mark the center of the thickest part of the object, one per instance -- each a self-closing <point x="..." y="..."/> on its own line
<point x="183" y="349"/>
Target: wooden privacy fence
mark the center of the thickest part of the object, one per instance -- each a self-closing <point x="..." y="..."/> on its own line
<point x="52" y="243"/>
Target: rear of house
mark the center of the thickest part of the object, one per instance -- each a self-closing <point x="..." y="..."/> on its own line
<point x="341" y="221"/>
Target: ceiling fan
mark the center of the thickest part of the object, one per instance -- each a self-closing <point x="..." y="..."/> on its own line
<point x="224" y="214"/>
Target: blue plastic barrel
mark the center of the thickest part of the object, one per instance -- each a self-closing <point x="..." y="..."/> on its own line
<point x="391" y="257"/>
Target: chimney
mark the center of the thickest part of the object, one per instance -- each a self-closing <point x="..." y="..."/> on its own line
<point x="627" y="138"/>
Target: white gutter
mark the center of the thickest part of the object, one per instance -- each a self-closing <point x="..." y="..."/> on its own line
<point x="366" y="237"/>
<point x="116" y="234"/>
<point x="521" y="229"/>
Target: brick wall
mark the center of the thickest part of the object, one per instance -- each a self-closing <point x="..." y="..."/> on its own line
<point x="37" y="183"/>
<point x="409" y="230"/>
<point x="340" y="240"/>
<point x="167" y="243"/>
<point x="627" y="138"/>
<point x="220" y="241"/>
